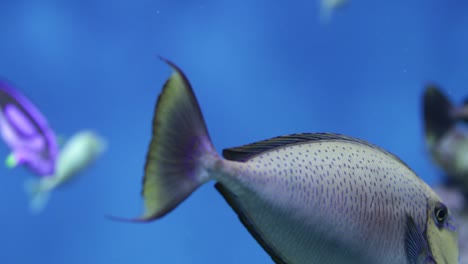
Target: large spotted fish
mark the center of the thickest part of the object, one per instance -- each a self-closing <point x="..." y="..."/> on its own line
<point x="306" y="198"/>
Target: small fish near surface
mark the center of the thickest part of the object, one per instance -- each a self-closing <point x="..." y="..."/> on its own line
<point x="78" y="153"/>
<point x="446" y="134"/>
<point x="306" y="198"/>
<point x="26" y="131"/>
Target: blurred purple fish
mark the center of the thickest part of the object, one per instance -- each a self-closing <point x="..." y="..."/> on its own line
<point x="26" y="132"/>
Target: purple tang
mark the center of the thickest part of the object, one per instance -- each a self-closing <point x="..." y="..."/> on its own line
<point x="26" y="132"/>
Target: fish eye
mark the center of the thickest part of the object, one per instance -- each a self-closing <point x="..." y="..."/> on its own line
<point x="440" y="213"/>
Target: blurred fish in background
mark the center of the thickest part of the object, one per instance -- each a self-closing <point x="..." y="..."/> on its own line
<point x="34" y="145"/>
<point x="26" y="132"/>
<point x="78" y="153"/>
<point x="328" y="7"/>
<point x="446" y="138"/>
<point x="445" y="134"/>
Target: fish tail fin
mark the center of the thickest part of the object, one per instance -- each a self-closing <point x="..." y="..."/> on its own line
<point x="38" y="198"/>
<point x="438" y="114"/>
<point x="180" y="150"/>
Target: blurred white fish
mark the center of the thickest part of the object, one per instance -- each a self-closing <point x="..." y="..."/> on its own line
<point x="77" y="154"/>
<point x="328" y="7"/>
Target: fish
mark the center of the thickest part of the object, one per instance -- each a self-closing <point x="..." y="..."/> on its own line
<point x="78" y="153"/>
<point x="26" y="132"/>
<point x="306" y="198"/>
<point x="446" y="138"/>
<point x="328" y="7"/>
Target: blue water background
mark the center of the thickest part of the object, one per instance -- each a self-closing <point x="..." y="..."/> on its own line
<point x="259" y="69"/>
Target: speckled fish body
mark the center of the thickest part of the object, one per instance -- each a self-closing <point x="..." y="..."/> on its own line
<point x="26" y="132"/>
<point x="306" y="198"/>
<point x="331" y="199"/>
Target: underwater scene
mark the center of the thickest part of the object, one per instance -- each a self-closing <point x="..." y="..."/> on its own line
<point x="292" y="132"/>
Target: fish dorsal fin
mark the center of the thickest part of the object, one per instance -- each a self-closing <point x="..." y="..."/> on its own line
<point x="246" y="152"/>
<point x="438" y="110"/>
<point x="231" y="199"/>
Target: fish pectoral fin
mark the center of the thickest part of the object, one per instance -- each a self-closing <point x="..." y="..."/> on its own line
<point x="232" y="200"/>
<point x="417" y="250"/>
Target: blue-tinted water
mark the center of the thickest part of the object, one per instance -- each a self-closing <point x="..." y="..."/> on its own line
<point x="259" y="69"/>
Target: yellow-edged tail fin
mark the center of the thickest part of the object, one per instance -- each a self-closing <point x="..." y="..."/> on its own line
<point x="179" y="143"/>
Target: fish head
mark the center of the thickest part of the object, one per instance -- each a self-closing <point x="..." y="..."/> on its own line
<point x="441" y="233"/>
<point x="88" y="143"/>
<point x="96" y="143"/>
